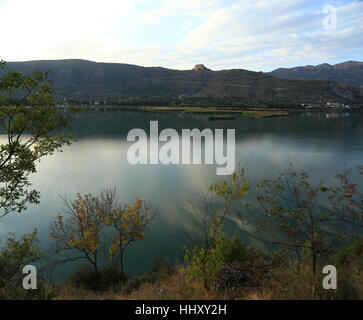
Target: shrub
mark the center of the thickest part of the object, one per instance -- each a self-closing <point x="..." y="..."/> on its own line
<point x="133" y="284"/>
<point x="203" y="266"/>
<point x="350" y="256"/>
<point x="229" y="264"/>
<point x="14" y="255"/>
<point x="106" y="279"/>
<point x="233" y="250"/>
<point x="160" y="269"/>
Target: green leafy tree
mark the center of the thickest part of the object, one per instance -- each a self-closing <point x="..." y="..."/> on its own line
<point x="32" y="127"/>
<point x="204" y="264"/>
<point x="216" y="206"/>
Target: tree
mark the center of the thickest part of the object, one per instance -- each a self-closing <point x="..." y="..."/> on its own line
<point x="33" y="127"/>
<point x="205" y="263"/>
<point x="304" y="219"/>
<point x="129" y="224"/>
<point x="210" y="217"/>
<point x="80" y="228"/>
<point x="92" y="225"/>
<point x="346" y="205"/>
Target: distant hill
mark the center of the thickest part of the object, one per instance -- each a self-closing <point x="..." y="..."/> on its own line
<point x="350" y="72"/>
<point x="82" y="79"/>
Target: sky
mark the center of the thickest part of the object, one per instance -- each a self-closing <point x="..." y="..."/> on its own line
<point x="258" y="35"/>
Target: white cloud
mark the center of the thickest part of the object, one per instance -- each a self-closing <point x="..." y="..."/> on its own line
<point x="274" y="33"/>
<point x="209" y="30"/>
<point x="32" y="29"/>
<point x="186" y="7"/>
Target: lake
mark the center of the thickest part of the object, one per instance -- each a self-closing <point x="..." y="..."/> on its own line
<point x="320" y="143"/>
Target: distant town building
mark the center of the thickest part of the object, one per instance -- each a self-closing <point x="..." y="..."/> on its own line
<point x="311" y="105"/>
<point x="334" y="105"/>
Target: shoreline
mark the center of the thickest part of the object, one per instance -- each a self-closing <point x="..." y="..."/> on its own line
<point x="211" y="113"/>
<point x="220" y="112"/>
<point x="216" y="113"/>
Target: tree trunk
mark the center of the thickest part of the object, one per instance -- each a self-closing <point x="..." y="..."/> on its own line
<point x="121" y="262"/>
<point x="313" y="257"/>
<point x="95" y="266"/>
<point x="93" y="262"/>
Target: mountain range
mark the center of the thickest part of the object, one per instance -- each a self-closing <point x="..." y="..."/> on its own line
<point x="349" y="72"/>
<point x="83" y="79"/>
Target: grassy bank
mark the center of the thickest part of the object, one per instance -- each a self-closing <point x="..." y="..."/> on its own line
<point x="279" y="283"/>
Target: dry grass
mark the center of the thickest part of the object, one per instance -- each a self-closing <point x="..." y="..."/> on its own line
<point x="67" y="292"/>
<point x="174" y="287"/>
<point x="282" y="284"/>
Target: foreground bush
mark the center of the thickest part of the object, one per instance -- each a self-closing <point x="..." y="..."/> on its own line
<point x="106" y="279"/>
<point x="14" y="255"/>
<point x="230" y="264"/>
<point x="161" y="269"/>
<point x="246" y="275"/>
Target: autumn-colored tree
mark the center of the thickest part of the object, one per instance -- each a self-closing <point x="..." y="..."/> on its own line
<point x="89" y="218"/>
<point x="129" y="224"/>
<point x="80" y="228"/>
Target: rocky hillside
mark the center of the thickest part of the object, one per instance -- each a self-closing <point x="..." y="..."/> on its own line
<point x="81" y="79"/>
<point x="350" y="72"/>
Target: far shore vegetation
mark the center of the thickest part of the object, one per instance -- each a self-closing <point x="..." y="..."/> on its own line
<point x="221" y="113"/>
